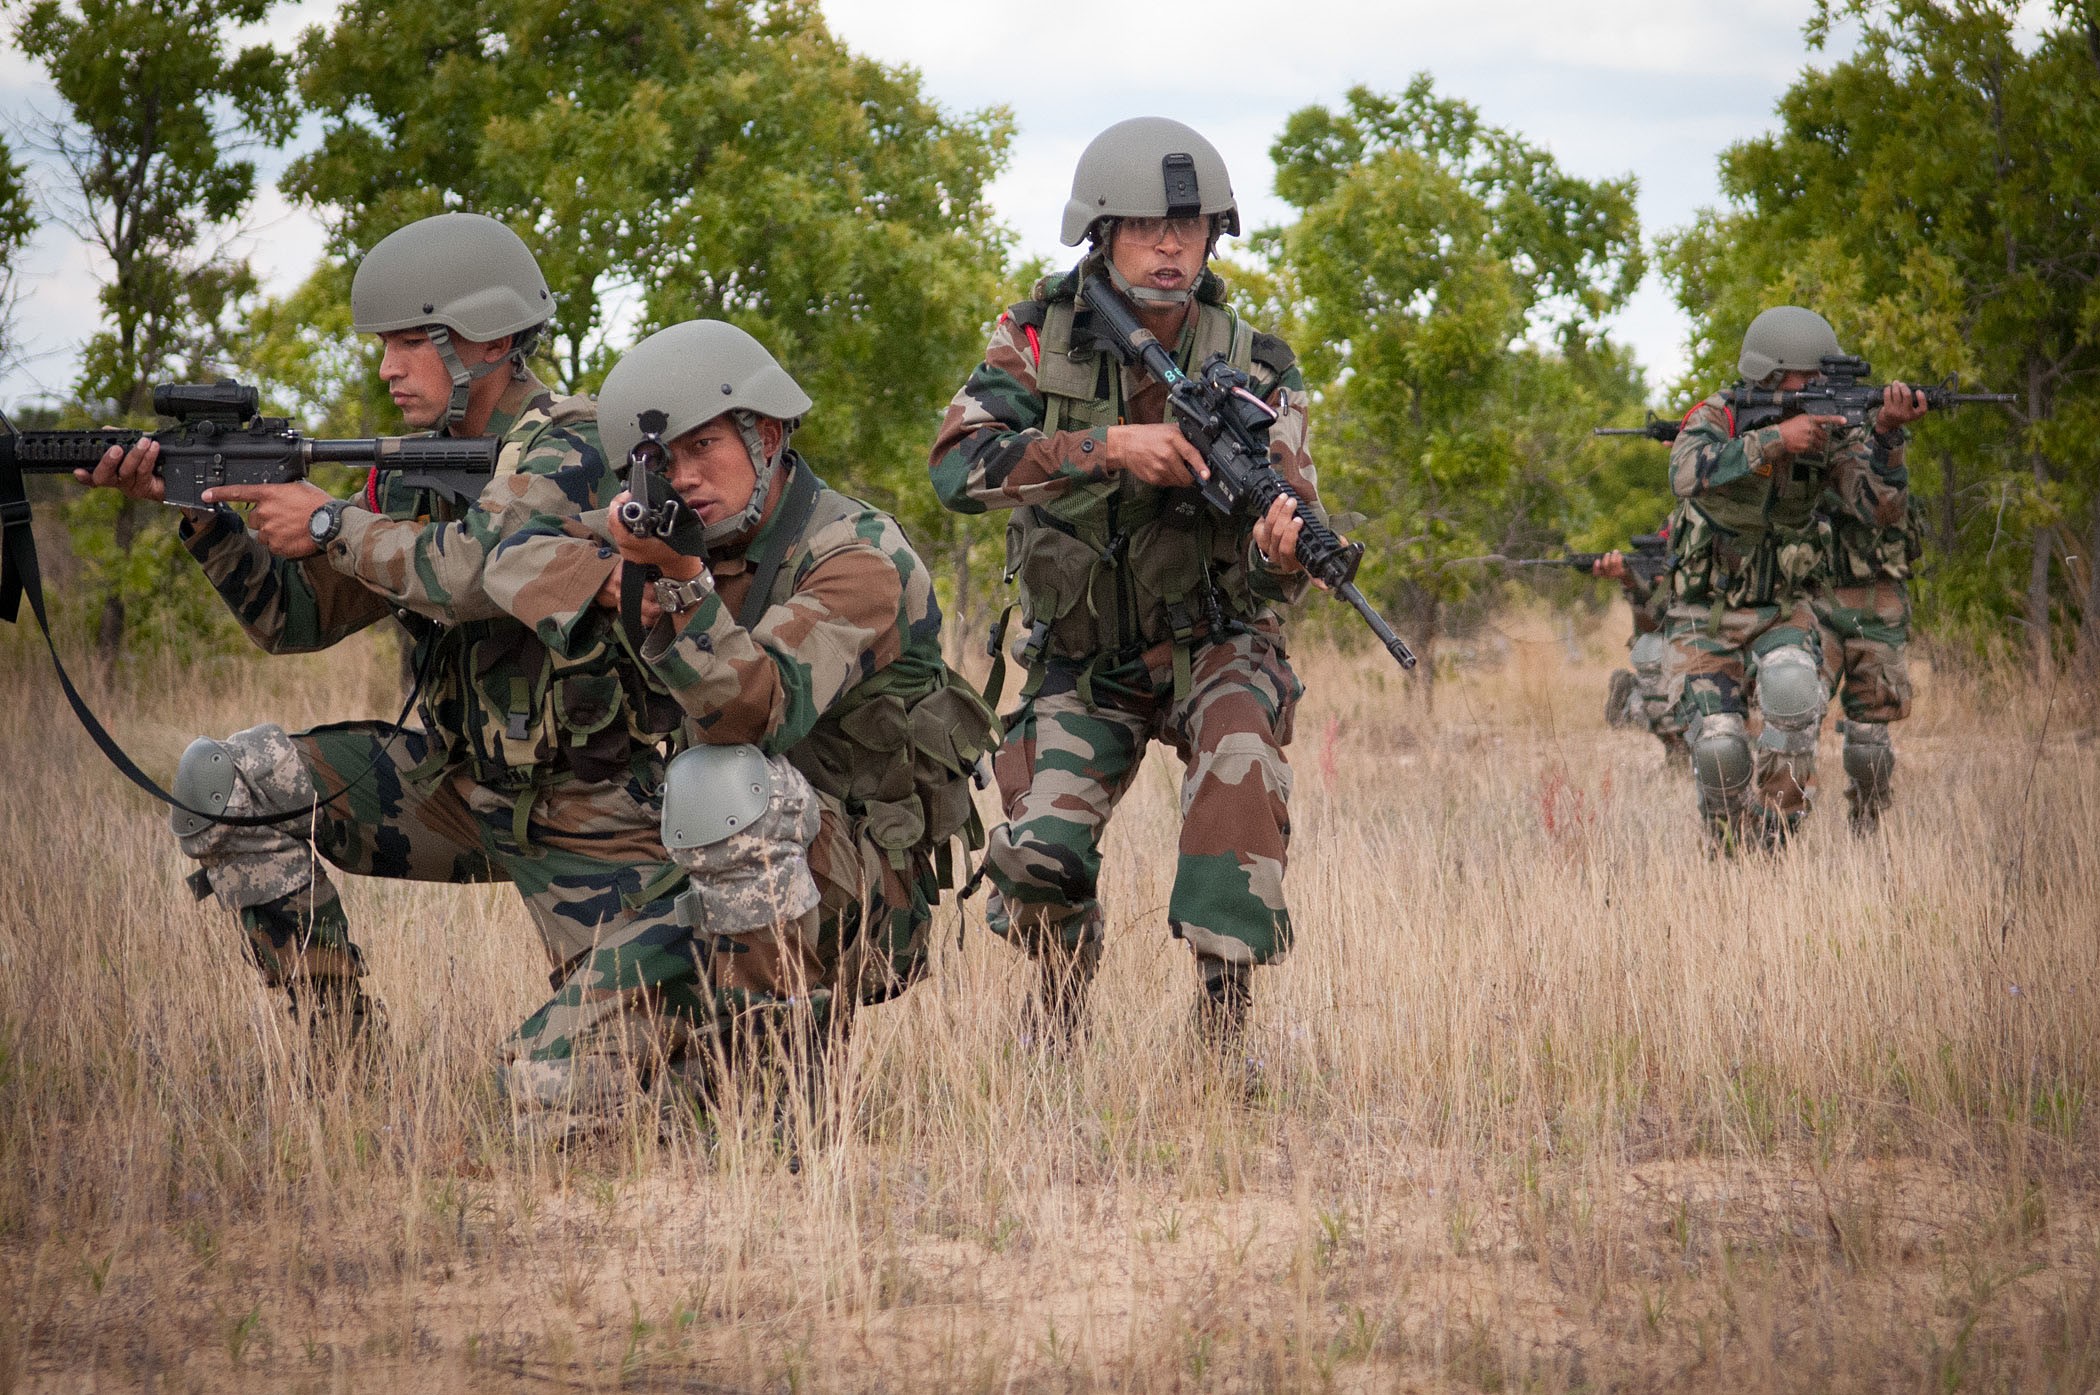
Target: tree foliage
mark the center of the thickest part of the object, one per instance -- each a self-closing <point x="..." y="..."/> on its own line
<point x="1446" y="281"/>
<point x="17" y="225"/>
<point x="721" y="158"/>
<point x="1907" y="195"/>
<point x="159" y="99"/>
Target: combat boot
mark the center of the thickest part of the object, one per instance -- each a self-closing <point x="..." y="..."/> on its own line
<point x="345" y="1027"/>
<point x="1221" y="1008"/>
<point x="1057" y="1014"/>
<point x="1619" y="699"/>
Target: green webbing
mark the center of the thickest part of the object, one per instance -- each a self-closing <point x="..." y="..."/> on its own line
<point x="657" y="887"/>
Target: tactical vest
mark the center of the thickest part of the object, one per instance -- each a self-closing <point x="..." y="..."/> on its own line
<point x="515" y="714"/>
<point x="1112" y="567"/>
<point x="898" y="750"/>
<point x="1757" y="541"/>
<point x="1862" y="554"/>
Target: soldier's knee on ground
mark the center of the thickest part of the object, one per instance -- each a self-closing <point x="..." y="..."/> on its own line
<point x="257" y="771"/>
<point x="572" y="1093"/>
<point x="1791" y="699"/>
<point x="1721" y="762"/>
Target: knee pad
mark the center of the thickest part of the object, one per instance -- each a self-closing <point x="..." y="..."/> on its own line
<point x="1870" y="757"/>
<point x="1720" y="744"/>
<point x="740" y="824"/>
<point x="1791" y="698"/>
<point x="1649" y="651"/>
<point x="257" y="771"/>
<point x="204" y="780"/>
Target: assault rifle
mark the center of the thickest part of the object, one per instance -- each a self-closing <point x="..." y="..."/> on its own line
<point x="652" y="509"/>
<point x="1226" y="422"/>
<point x="1649" y="559"/>
<point x="1655" y="429"/>
<point x="221" y="438"/>
<point x="1840" y="392"/>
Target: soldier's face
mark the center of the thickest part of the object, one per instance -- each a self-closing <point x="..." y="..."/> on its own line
<point x="711" y="469"/>
<point x="416" y="377"/>
<point x="1165" y="254"/>
<point x="1795" y="379"/>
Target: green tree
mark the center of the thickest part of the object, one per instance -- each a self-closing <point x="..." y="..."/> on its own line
<point x="158" y="101"/>
<point x="723" y="158"/>
<point x="1448" y="281"/>
<point x="17" y="225"/>
<point x="1935" y="196"/>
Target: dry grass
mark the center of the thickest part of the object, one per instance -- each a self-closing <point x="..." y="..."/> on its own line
<point x="1553" y="1102"/>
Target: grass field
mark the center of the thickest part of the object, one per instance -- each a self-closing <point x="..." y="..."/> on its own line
<point x="1552" y="1101"/>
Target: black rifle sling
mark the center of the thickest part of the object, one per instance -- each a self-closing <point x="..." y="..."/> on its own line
<point x="795" y="509"/>
<point x="20" y="576"/>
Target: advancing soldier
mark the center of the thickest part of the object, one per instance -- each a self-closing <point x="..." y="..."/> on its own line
<point x="1148" y="617"/>
<point x="1750" y="559"/>
<point x="533" y="765"/>
<point x="1637" y="697"/>
<point x="1865" y="617"/>
<point x="830" y="747"/>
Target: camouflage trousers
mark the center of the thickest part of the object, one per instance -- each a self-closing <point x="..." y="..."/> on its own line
<point x="1865" y="632"/>
<point x="1648" y="704"/>
<point x="586" y="858"/>
<point x="1711" y="676"/>
<point x="1064" y="767"/>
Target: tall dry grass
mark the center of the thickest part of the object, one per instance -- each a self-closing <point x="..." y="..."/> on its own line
<point x="1551" y="1100"/>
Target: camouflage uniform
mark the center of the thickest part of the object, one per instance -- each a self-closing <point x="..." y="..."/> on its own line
<point x="1147" y="617"/>
<point x="1740" y="624"/>
<point x="1645" y="702"/>
<point x="836" y="669"/>
<point x="1865" y="620"/>
<point x="533" y="766"/>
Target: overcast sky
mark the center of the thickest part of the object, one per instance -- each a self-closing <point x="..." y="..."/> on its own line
<point x="1655" y="88"/>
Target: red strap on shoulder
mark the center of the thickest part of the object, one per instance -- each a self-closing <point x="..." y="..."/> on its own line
<point x="1726" y="411"/>
<point x="372" y="491"/>
<point x="1035" y="344"/>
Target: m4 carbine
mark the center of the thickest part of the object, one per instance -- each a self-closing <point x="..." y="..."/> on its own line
<point x="1655" y="429"/>
<point x="1840" y="392"/>
<point x="221" y="438"/>
<point x="1649" y="559"/>
<point x="1227" y="424"/>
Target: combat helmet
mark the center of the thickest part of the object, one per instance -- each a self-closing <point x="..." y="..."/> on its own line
<point x="459" y="274"/>
<point x="1148" y="167"/>
<point x="1786" y="338"/>
<point x="686" y="376"/>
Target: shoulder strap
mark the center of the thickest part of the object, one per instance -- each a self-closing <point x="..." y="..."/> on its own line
<point x="795" y="507"/>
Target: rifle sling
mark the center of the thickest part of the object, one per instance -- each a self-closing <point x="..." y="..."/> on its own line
<point x="795" y="508"/>
<point x="20" y="576"/>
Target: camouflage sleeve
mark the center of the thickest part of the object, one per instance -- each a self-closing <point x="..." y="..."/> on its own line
<point x="991" y="452"/>
<point x="1708" y="455"/>
<point x="286" y="607"/>
<point x="1868" y="479"/>
<point x="1637" y="589"/>
<point x="858" y="590"/>
<point x="438" y="569"/>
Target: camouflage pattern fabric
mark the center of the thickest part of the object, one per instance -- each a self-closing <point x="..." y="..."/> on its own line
<point x="1712" y="668"/>
<point x="1865" y="636"/>
<point x="1073" y="747"/>
<point x="1064" y="768"/>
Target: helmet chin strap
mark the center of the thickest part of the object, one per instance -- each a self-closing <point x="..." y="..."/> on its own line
<point x="1146" y="295"/>
<point x="763" y="466"/>
<point x="464" y="377"/>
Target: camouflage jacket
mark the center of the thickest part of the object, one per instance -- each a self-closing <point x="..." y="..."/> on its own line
<point x="1863" y="552"/>
<point x="1009" y="443"/>
<point x="1747" y="531"/>
<point x="501" y="702"/>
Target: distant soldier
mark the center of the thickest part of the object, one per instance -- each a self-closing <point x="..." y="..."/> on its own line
<point x="1637" y="697"/>
<point x="829" y="748"/>
<point x="1865" y="616"/>
<point x="1750" y="559"/>
<point x="1148" y="617"/>
<point x="533" y="765"/>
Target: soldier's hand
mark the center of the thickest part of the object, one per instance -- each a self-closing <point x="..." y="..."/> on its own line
<point x="1807" y="435"/>
<point x="1901" y="405"/>
<point x="1157" y="454"/>
<point x="131" y="472"/>
<point x="282" y="515"/>
<point x="1611" y="564"/>
<point x="608" y="597"/>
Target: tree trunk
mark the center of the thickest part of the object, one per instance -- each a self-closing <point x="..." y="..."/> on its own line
<point x="2044" y="538"/>
<point x="109" y="632"/>
<point x="1950" y="522"/>
<point x="1425" y="654"/>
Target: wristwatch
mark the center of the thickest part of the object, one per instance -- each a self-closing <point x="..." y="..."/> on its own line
<point x="326" y="523"/>
<point x="678" y="596"/>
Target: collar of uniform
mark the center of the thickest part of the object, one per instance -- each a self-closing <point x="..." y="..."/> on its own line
<point x="520" y="394"/>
